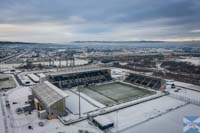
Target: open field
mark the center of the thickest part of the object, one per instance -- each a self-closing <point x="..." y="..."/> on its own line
<point x="115" y="93"/>
<point x="7" y="83"/>
<point x="171" y="122"/>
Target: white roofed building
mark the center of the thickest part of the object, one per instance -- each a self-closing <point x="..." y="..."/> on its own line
<point x="34" y="77"/>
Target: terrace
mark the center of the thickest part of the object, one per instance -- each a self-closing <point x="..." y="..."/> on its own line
<point x="146" y="81"/>
<point x="69" y="80"/>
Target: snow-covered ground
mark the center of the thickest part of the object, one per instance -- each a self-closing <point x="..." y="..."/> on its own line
<point x="55" y="126"/>
<point x="192" y="60"/>
<point x="63" y="63"/>
<point x="171" y="122"/>
<point x="154" y="113"/>
<point x="92" y="101"/>
<point x="118" y="73"/>
<point x="134" y="115"/>
<point x="72" y="103"/>
<point x="187" y="85"/>
<point x="19" y="95"/>
<point x="158" y="65"/>
<point x="185" y="93"/>
<point x="21" y="122"/>
<point x="162" y="114"/>
<point x="17" y="84"/>
<point x="2" y="124"/>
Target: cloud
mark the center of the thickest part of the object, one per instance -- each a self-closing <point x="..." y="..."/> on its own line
<point x="66" y="20"/>
<point x="195" y="31"/>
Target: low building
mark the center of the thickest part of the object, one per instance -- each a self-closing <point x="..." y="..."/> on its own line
<point x="49" y="98"/>
<point x="103" y="122"/>
<point x="34" y="78"/>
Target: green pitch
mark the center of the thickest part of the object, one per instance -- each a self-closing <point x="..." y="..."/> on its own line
<point x="115" y="93"/>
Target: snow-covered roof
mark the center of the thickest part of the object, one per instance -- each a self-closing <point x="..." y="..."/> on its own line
<point x="47" y="93"/>
<point x="77" y="70"/>
<point x="102" y="120"/>
<point x="41" y="75"/>
<point x="34" y="77"/>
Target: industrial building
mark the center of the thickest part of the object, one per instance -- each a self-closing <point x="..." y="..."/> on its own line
<point x="50" y="98"/>
<point x="80" y="76"/>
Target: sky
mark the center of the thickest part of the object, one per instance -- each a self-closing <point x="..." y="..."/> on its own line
<point x="61" y="21"/>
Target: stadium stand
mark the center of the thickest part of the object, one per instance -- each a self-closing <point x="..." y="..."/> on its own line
<point x="79" y="78"/>
<point x="143" y="80"/>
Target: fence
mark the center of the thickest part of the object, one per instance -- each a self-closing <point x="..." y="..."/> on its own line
<point x="186" y="99"/>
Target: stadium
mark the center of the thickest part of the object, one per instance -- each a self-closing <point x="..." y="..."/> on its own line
<point x="92" y="93"/>
<point x="99" y="99"/>
<point x="92" y="88"/>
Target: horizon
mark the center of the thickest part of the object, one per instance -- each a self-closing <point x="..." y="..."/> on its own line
<point x="102" y="41"/>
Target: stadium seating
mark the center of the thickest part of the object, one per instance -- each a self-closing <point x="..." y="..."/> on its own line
<point x="79" y="79"/>
<point x="146" y="81"/>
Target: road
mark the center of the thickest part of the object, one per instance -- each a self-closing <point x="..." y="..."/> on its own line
<point x="4" y="127"/>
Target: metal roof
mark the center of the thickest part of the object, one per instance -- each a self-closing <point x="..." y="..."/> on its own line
<point x="77" y="70"/>
<point x="48" y="94"/>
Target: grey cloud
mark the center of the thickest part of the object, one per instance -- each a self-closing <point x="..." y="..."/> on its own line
<point x="106" y="16"/>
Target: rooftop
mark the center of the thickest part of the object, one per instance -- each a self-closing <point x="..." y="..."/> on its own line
<point x="48" y="93"/>
<point x="103" y="121"/>
<point x="34" y="77"/>
<point x="77" y="70"/>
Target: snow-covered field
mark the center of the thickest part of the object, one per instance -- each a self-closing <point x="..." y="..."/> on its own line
<point x="187" y="85"/>
<point x="160" y="115"/>
<point x="186" y="93"/>
<point x="63" y="63"/>
<point x="192" y="60"/>
<point x="21" y="122"/>
<point x="19" y="95"/>
<point x="134" y="115"/>
<point x="72" y="103"/>
<point x="171" y="122"/>
<point x="118" y="73"/>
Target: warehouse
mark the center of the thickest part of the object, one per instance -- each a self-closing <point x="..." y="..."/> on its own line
<point x="50" y="98"/>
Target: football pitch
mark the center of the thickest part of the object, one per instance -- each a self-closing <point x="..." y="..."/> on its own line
<point x="115" y="93"/>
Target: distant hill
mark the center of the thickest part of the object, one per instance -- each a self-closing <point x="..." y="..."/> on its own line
<point x="143" y="41"/>
<point x="29" y="44"/>
<point x="9" y="42"/>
